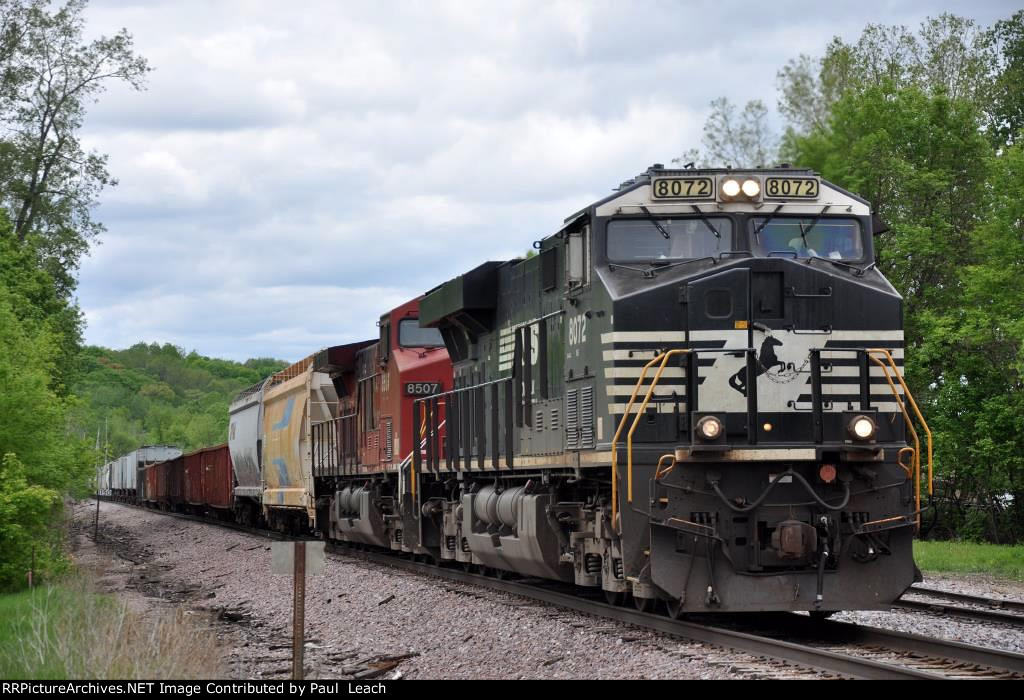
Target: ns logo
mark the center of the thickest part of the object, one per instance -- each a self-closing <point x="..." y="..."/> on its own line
<point x="765" y="361"/>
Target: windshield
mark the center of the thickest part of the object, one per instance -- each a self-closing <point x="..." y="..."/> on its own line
<point x="643" y="240"/>
<point x="410" y="335"/>
<point x="832" y="238"/>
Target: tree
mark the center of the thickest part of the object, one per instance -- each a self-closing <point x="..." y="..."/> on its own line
<point x="48" y="182"/>
<point x="743" y="140"/>
<point x="949" y="55"/>
<point x="1006" y="111"/>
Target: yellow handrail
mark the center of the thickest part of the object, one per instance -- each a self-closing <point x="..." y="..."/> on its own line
<point x="661" y="474"/>
<point x="871" y="352"/>
<point x="663" y="358"/>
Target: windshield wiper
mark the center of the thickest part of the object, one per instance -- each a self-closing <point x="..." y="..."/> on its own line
<point x="648" y="274"/>
<point x="857" y="271"/>
<point x="654" y="221"/>
<point x="814" y="222"/>
<point x="706" y="220"/>
<point x="658" y="266"/>
<point x="757" y="231"/>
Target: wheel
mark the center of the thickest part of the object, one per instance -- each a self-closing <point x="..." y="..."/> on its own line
<point x="615" y="598"/>
<point x="673" y="608"/>
<point x="820" y="615"/>
<point x="467" y="567"/>
<point x="643" y="604"/>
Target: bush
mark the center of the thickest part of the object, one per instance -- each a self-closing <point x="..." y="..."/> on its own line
<point x="27" y="538"/>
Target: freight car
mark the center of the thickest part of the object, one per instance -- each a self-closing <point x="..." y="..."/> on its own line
<point x="328" y="429"/>
<point x="208" y="483"/>
<point x="120" y="477"/>
<point x="165" y="484"/>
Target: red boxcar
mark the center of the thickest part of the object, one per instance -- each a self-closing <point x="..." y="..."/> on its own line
<point x="172" y="481"/>
<point x="218" y="478"/>
<point x="152" y="483"/>
<point x="209" y="480"/>
<point x="194" y="478"/>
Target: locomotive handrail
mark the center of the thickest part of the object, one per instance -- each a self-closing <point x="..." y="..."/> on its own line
<point x="660" y="357"/>
<point x="871" y="352"/>
<point x="467" y="435"/>
<point x="636" y="421"/>
<point x="890" y="364"/>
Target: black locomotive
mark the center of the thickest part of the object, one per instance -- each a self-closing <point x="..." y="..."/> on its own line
<point x="691" y="393"/>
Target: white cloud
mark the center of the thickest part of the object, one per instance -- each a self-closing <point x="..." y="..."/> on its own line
<point x="295" y="170"/>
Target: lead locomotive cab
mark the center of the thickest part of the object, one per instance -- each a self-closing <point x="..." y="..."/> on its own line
<point x="693" y="394"/>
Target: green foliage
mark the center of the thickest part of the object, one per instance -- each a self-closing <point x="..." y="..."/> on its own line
<point x="27" y="538"/>
<point x="922" y="163"/>
<point x="34" y="421"/>
<point x="49" y="183"/>
<point x="1006" y="97"/>
<point x="971" y="557"/>
<point x="949" y="55"/>
<point x="35" y="301"/>
<point x="159" y="394"/>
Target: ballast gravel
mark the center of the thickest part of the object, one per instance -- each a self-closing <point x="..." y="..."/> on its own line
<point x="365" y="620"/>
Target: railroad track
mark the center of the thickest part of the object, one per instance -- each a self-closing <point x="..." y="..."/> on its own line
<point x="1008" y="612"/>
<point x="835" y="648"/>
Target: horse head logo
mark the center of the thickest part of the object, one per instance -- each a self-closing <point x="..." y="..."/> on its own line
<point x="765" y="359"/>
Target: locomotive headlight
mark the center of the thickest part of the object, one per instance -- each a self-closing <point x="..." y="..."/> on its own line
<point x="709" y="427"/>
<point x="751" y="188"/>
<point x="731" y="188"/>
<point x="862" y="428"/>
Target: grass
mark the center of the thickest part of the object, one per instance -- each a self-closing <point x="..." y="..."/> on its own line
<point x="1002" y="561"/>
<point x="69" y="632"/>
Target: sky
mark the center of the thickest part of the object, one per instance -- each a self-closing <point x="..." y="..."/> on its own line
<point x="294" y="170"/>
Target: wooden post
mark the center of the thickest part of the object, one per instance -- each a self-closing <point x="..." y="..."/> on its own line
<point x="299" y="613"/>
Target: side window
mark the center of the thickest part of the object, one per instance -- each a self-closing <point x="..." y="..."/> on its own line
<point x="367" y="417"/>
<point x="578" y="258"/>
<point x="385" y="339"/>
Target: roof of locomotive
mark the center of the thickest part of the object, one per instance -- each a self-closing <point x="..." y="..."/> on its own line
<point x="659" y="170"/>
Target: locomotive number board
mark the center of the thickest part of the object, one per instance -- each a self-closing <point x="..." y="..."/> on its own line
<point x="422" y="388"/>
<point x="683" y="188"/>
<point x="790" y="188"/>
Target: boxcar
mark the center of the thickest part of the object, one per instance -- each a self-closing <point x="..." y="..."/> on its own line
<point x="193" y="472"/>
<point x="171" y="477"/>
<point x="208" y="478"/>
<point x="152" y="482"/>
<point x="218" y="480"/>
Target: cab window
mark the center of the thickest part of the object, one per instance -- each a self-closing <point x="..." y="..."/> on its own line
<point x="831" y="238"/>
<point x="410" y="335"/>
<point x="655" y="240"/>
